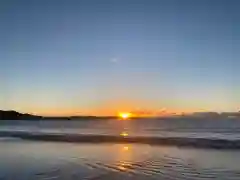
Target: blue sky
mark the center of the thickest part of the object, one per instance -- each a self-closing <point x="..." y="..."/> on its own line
<point x="102" y="56"/>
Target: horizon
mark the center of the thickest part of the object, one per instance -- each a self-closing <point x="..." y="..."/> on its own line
<point x="132" y="114"/>
<point x="61" y="58"/>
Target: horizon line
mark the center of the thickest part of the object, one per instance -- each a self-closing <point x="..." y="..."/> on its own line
<point x="134" y="115"/>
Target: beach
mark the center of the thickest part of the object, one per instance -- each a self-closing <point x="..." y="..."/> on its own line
<point x="170" y="149"/>
<point x="119" y="90"/>
<point x="23" y="159"/>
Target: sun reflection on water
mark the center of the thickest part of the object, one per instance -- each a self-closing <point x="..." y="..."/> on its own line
<point x="121" y="167"/>
<point x="124" y="157"/>
<point x="124" y="134"/>
<point x="124" y="166"/>
<point x="125" y="148"/>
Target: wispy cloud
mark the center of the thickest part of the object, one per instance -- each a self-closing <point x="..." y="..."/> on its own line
<point x="114" y="60"/>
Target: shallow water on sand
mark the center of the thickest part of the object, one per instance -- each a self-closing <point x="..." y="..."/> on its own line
<point x="23" y="160"/>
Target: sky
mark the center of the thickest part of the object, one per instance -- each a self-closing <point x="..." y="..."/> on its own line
<point x="99" y="57"/>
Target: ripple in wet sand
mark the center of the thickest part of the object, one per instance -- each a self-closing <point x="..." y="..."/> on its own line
<point x="68" y="161"/>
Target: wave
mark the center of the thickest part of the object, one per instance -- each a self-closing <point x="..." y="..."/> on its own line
<point x="215" y="143"/>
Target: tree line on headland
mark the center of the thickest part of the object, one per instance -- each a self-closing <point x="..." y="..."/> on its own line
<point x="14" y="115"/>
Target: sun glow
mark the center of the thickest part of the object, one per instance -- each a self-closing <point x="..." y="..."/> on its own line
<point x="125" y="116"/>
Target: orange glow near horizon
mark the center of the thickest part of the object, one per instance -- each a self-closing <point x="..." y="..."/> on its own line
<point x="113" y="106"/>
<point x="110" y="112"/>
<point x="125" y="116"/>
<point x="122" y="107"/>
<point x="124" y="110"/>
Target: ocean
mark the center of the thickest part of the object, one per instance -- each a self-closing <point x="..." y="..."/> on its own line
<point x="188" y="128"/>
<point x="27" y="153"/>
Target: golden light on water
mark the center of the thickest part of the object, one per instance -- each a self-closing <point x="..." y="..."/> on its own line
<point x="124" y="157"/>
<point x="121" y="167"/>
<point x="124" y="134"/>
<point x="124" y="166"/>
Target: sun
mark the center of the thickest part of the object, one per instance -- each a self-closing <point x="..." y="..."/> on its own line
<point x="124" y="116"/>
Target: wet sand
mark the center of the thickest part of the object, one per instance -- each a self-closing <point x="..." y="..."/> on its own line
<point x="21" y="160"/>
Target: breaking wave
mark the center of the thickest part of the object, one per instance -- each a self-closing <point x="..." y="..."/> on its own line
<point x="215" y="143"/>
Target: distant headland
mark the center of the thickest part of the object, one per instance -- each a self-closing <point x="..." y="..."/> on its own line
<point x="14" y="115"/>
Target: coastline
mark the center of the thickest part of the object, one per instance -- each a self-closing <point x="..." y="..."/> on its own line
<point x="14" y="115"/>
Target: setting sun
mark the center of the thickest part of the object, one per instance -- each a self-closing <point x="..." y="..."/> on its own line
<point x="124" y="115"/>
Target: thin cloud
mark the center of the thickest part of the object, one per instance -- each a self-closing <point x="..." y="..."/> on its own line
<point x="114" y="60"/>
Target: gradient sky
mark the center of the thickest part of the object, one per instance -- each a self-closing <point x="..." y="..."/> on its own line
<point x="103" y="56"/>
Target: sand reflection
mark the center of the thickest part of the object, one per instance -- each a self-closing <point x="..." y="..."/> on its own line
<point x="124" y="156"/>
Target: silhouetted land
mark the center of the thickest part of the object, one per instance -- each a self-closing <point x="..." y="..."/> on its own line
<point x="14" y="115"/>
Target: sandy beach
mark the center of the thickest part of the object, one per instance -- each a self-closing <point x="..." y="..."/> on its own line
<point x="21" y="160"/>
<point x="119" y="90"/>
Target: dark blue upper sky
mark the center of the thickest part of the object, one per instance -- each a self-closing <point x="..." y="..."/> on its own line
<point x="87" y="56"/>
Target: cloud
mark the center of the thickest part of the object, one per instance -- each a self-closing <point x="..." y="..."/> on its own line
<point x="147" y="112"/>
<point x="143" y="112"/>
<point x="114" y="60"/>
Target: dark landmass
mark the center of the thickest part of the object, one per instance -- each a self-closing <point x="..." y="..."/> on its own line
<point x="13" y="115"/>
